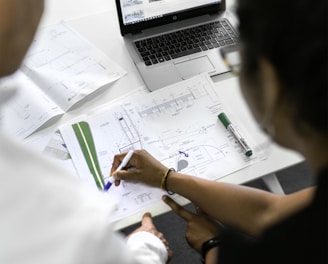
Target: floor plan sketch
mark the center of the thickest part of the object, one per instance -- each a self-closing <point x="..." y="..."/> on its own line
<point x="163" y="123"/>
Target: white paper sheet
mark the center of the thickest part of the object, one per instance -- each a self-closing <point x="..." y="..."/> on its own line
<point x="177" y="124"/>
<point x="60" y="69"/>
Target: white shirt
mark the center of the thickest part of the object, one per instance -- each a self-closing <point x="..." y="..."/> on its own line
<point x="47" y="216"/>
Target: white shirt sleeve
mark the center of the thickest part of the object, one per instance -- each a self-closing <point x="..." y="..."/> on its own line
<point x="147" y="248"/>
<point x="47" y="216"/>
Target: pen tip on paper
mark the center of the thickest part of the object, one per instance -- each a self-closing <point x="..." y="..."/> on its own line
<point x="107" y="186"/>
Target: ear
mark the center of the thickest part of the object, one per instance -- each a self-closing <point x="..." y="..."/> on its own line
<point x="271" y="91"/>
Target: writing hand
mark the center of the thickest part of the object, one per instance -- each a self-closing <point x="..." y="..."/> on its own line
<point x="146" y="169"/>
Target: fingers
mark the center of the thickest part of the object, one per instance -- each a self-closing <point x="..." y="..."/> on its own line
<point x="118" y="158"/>
<point x="116" y="162"/>
<point x="117" y="174"/>
<point x="178" y="209"/>
<point x="147" y="220"/>
<point x="147" y="223"/>
<point x="142" y="167"/>
<point x="129" y="175"/>
<point x="132" y="162"/>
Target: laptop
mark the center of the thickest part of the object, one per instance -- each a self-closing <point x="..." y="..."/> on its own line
<point x="173" y="40"/>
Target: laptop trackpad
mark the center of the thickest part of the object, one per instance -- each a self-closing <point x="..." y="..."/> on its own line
<point x="189" y="68"/>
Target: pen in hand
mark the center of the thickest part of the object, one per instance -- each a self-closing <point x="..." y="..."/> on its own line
<point x="226" y="122"/>
<point x="124" y="162"/>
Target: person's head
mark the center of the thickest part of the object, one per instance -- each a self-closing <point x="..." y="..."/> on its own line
<point x="18" y="22"/>
<point x="284" y="69"/>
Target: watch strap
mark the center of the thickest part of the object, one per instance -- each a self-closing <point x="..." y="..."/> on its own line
<point x="209" y="244"/>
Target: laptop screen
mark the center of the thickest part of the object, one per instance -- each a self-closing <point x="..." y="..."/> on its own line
<point x="136" y="15"/>
<point x="135" y="11"/>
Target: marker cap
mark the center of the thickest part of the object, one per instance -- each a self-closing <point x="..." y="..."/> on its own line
<point x="224" y="119"/>
<point x="110" y="182"/>
<point x="107" y="186"/>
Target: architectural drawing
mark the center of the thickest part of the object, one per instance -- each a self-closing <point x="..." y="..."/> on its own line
<point x="163" y="123"/>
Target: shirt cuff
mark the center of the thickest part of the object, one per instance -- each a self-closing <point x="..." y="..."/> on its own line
<point x="147" y="248"/>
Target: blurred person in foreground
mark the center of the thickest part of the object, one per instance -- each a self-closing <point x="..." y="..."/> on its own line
<point x="47" y="216"/>
<point x="283" y="77"/>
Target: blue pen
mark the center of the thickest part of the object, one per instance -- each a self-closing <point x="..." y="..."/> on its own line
<point x="109" y="184"/>
<point x="122" y="165"/>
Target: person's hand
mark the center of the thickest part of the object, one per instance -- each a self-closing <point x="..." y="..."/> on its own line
<point x="200" y="227"/>
<point x="147" y="225"/>
<point x="142" y="167"/>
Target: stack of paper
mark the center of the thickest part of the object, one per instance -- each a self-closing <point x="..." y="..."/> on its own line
<point x="61" y="69"/>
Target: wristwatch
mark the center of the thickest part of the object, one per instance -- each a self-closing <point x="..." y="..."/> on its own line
<point x="211" y="243"/>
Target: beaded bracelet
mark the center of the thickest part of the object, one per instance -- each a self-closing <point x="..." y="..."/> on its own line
<point x="164" y="181"/>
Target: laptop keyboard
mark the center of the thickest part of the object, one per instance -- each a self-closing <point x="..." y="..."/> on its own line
<point x="177" y="44"/>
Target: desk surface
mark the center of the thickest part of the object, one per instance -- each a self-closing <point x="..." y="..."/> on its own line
<point x="97" y="21"/>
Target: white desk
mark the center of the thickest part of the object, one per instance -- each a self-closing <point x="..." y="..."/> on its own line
<point x="97" y="21"/>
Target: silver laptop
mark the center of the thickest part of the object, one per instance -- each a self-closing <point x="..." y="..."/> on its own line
<point x="172" y="40"/>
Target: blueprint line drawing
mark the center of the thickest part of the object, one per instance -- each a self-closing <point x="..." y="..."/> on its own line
<point x="177" y="124"/>
<point x="129" y="130"/>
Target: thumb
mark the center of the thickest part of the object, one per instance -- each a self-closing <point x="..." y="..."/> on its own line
<point x="147" y="220"/>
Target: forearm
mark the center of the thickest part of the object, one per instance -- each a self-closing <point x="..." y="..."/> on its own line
<point x="212" y="256"/>
<point x="242" y="207"/>
<point x="248" y="209"/>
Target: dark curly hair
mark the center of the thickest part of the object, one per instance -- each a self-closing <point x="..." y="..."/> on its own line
<point x="292" y="35"/>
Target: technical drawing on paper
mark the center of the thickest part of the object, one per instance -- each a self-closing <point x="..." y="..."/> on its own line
<point x="163" y="123"/>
